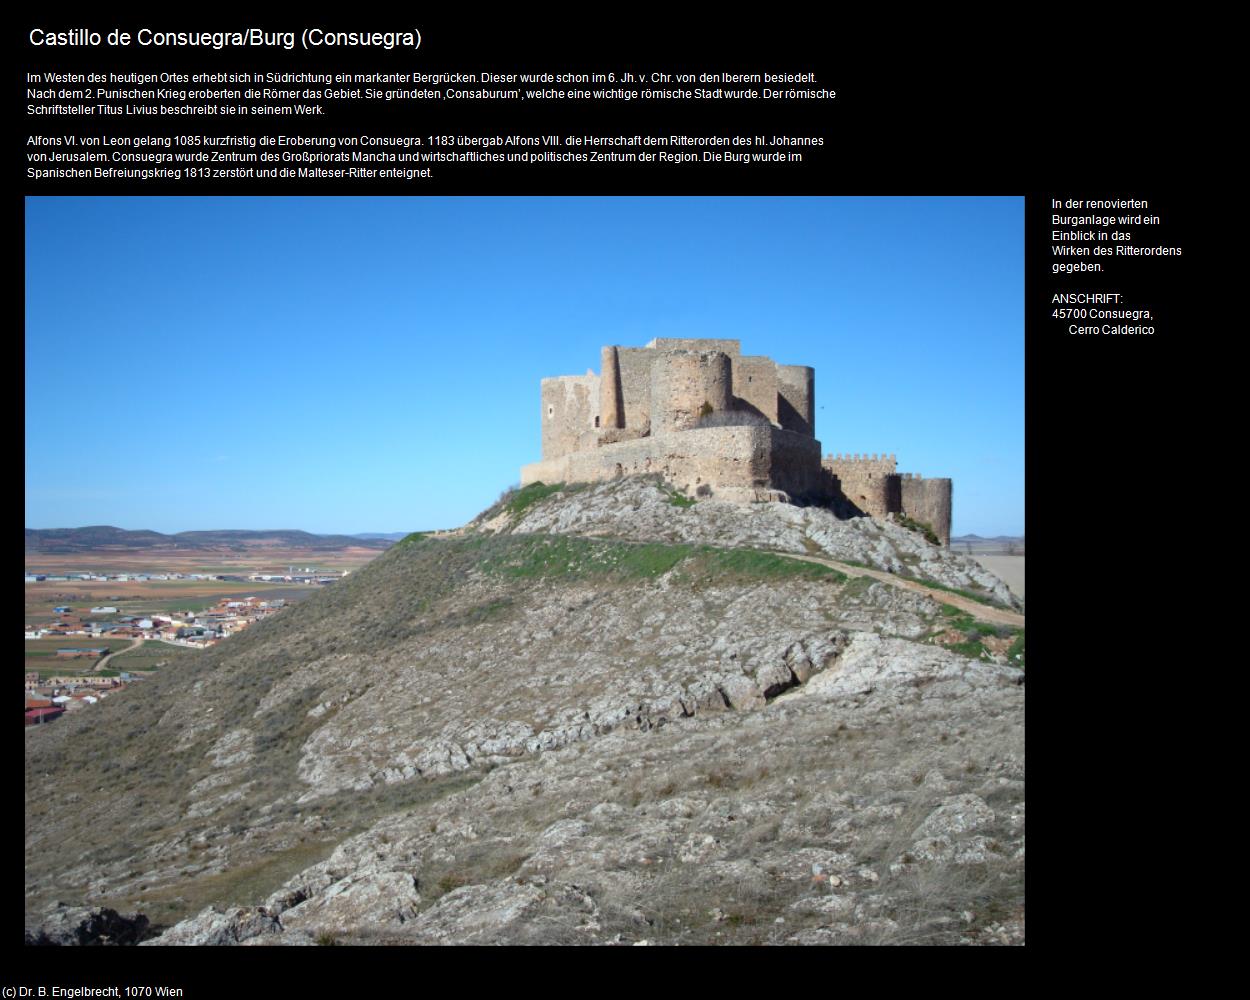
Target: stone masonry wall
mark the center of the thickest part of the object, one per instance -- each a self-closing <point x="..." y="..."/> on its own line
<point x="928" y="501"/>
<point x="738" y="462"/>
<point x="682" y="383"/>
<point x="731" y="347"/>
<point x="865" y="481"/>
<point x="782" y="394"/>
<point x="570" y="405"/>
<point x="755" y="384"/>
<point x="796" y="402"/>
<point x="611" y="411"/>
<point x="634" y="364"/>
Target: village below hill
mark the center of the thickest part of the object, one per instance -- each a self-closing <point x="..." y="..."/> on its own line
<point x="97" y="622"/>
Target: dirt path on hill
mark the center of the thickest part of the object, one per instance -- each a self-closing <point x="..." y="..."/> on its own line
<point x="104" y="661"/>
<point x="985" y="612"/>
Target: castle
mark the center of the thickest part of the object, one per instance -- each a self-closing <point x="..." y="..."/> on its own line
<point x="717" y="423"/>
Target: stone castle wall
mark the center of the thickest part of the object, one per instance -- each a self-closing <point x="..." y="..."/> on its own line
<point x="865" y="481"/>
<point x="928" y="501"/>
<point x="731" y="462"/>
<point x="731" y="347"/>
<point x="782" y="394"/>
<point x="635" y="368"/>
<point x="755" y="385"/>
<point x="683" y="383"/>
<point x="796" y="398"/>
<point x="570" y="409"/>
<point x="872" y="484"/>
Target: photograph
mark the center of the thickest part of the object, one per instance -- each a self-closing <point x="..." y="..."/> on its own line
<point x="524" y="570"/>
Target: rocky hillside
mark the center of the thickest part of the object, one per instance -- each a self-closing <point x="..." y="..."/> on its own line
<point x="646" y="510"/>
<point x="597" y="716"/>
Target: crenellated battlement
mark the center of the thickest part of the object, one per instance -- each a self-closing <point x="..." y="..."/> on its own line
<point x="874" y="465"/>
<point x="873" y="458"/>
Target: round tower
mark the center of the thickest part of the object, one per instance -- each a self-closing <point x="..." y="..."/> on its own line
<point x="796" y="402"/>
<point x="685" y="385"/>
<point x="611" y="408"/>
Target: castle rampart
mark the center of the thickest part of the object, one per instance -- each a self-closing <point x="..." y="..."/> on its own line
<point x="729" y="463"/>
<point x="865" y="481"/>
<point x="872" y="484"/>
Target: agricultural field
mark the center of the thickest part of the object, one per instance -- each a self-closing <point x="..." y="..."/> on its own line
<point x="152" y="655"/>
<point x="41" y="654"/>
<point x="255" y="560"/>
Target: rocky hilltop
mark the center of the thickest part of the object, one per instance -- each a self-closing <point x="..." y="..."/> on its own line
<point x="596" y="715"/>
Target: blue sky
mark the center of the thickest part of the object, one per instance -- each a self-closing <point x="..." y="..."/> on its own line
<point x="373" y="364"/>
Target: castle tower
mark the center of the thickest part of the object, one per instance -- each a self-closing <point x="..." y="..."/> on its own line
<point x="929" y="501"/>
<point x="796" y="398"/>
<point x="684" y="384"/>
<point x="611" y="405"/>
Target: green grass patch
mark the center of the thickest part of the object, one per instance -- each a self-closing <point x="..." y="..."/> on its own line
<point x="527" y="496"/>
<point x="561" y="556"/>
<point x="754" y="564"/>
<point x="856" y="586"/>
<point x="911" y="524"/>
<point x="972" y="648"/>
<point x="964" y="622"/>
<point x="675" y="497"/>
<point x="50" y="644"/>
<point x="153" y="655"/>
<point x="979" y="598"/>
<point x="1015" y="653"/>
<point x="974" y="632"/>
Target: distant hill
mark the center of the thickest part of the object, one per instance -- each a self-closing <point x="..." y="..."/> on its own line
<point x="1010" y="544"/>
<point x="393" y="536"/>
<point x="107" y="538"/>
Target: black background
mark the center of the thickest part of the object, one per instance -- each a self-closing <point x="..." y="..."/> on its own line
<point x="936" y="106"/>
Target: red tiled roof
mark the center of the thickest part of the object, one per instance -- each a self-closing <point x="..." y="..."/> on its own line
<point x="44" y="713"/>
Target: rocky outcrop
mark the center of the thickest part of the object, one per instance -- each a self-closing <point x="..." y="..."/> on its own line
<point x="76" y="925"/>
<point x="219" y="927"/>
<point x="880" y="796"/>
